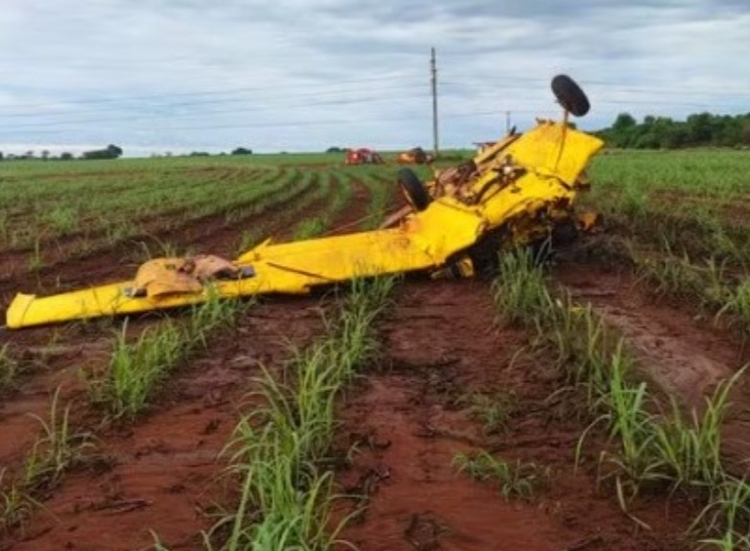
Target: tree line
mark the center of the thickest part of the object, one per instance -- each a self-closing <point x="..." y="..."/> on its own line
<point x="110" y="152"/>
<point x="698" y="130"/>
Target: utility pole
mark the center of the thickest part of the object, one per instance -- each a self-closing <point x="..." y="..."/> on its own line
<point x="433" y="70"/>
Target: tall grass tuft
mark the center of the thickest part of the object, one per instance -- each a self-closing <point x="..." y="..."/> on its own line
<point x="520" y="290"/>
<point x="690" y="445"/>
<point x="727" y="516"/>
<point x="56" y="450"/>
<point x="648" y="445"/>
<point x="138" y="368"/>
<point x="277" y="449"/>
<point x="515" y="480"/>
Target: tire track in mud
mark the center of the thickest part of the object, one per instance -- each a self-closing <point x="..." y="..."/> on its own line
<point x="683" y="358"/>
<point x="283" y="226"/>
<point x="348" y="220"/>
<point x="679" y="356"/>
<point x="410" y="418"/>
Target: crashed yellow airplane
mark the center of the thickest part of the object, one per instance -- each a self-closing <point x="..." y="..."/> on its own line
<point x="519" y="191"/>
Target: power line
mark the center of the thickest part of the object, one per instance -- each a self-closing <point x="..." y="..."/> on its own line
<point x="497" y="113"/>
<point x="66" y="121"/>
<point x="70" y="126"/>
<point x="253" y="109"/>
<point x="470" y="81"/>
<point x="492" y="92"/>
<point x="221" y="101"/>
<point x="473" y="87"/>
<point x="523" y="82"/>
<point x="111" y="99"/>
<point x="304" y="97"/>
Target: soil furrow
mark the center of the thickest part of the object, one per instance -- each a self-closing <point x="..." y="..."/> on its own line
<point x="411" y="418"/>
<point x="680" y="352"/>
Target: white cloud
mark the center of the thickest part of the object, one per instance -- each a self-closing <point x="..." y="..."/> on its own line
<point x="306" y="74"/>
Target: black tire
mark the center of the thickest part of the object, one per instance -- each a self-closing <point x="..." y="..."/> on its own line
<point x="413" y="189"/>
<point x="570" y="95"/>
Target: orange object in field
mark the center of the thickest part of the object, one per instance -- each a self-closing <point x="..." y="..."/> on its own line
<point x="416" y="156"/>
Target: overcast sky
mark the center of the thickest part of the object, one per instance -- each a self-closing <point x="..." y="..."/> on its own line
<point x="303" y="75"/>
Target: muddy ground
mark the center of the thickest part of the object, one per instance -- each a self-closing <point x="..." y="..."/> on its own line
<point x="409" y="416"/>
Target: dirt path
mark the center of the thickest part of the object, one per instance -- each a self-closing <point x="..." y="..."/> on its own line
<point x="684" y="358"/>
<point x="409" y="420"/>
<point x="681" y="356"/>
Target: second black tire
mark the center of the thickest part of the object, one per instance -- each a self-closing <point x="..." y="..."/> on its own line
<point x="413" y="189"/>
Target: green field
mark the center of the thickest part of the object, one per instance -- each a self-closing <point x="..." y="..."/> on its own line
<point x="673" y="221"/>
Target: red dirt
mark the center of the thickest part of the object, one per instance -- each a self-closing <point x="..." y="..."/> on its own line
<point x="675" y="348"/>
<point x="441" y="346"/>
<point x="165" y="473"/>
<point x="680" y="356"/>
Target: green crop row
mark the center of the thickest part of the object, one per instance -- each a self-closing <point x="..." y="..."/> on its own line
<point x="692" y="201"/>
<point x="651" y="446"/>
<point x="278" y="449"/>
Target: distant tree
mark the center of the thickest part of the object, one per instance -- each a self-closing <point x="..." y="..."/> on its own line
<point x="199" y="154"/>
<point x="335" y="149"/>
<point x="1" y="155"/>
<point x="242" y="151"/>
<point x="624" y="121"/>
<point x="45" y="154"/>
<point x="110" y="152"/>
<point x="29" y="154"/>
<point x="66" y="156"/>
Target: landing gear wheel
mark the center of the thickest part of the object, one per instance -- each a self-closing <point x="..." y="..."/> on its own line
<point x="413" y="189"/>
<point x="570" y="95"/>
